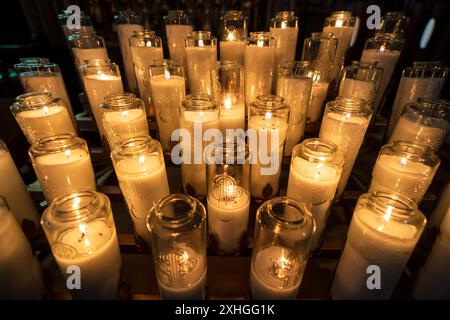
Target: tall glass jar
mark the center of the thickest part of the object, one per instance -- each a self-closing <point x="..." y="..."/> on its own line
<point x="80" y="230"/>
<point x="314" y="175"/>
<point x="178" y="230"/>
<point x="384" y="48"/>
<point x="320" y="50"/>
<point x="62" y="164"/>
<point x="87" y="46"/>
<point x="40" y="115"/>
<point x="140" y="169"/>
<point x="283" y="232"/>
<point x="267" y="128"/>
<point x="123" y="117"/>
<point x="345" y="124"/>
<point x="146" y="47"/>
<point x="405" y="168"/>
<point x="295" y="80"/>
<point x="126" y="23"/>
<point x="233" y="31"/>
<point x="424" y="79"/>
<point x="342" y="25"/>
<point x="383" y="232"/>
<point x="361" y="80"/>
<point x="424" y="122"/>
<point x="178" y="25"/>
<point x="201" y="59"/>
<point x="394" y="22"/>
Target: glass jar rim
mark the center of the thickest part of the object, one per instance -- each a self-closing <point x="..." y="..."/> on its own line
<point x="350" y="105"/>
<point x="413" y="151"/>
<point x="200" y="35"/>
<point x="302" y="217"/>
<point x="160" y="63"/>
<point x="233" y="15"/>
<point x="143" y="33"/>
<point x="33" y="100"/>
<point x="92" y="63"/>
<point x="316" y="150"/>
<point x="323" y="35"/>
<point x="56" y="144"/>
<point x="393" y="204"/>
<point x="121" y="101"/>
<point x="365" y="64"/>
<point x="433" y="107"/>
<point x="135" y="147"/>
<point x="199" y="102"/>
<point x="270" y="102"/>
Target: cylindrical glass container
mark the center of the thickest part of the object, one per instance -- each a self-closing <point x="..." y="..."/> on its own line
<point x="345" y="124"/>
<point x="424" y="122"/>
<point x="394" y="22"/>
<point x="320" y="50"/>
<point x="145" y="48"/>
<point x="361" y="80"/>
<point x="20" y="272"/>
<point x="233" y="31"/>
<point x="259" y="65"/>
<point x="168" y="92"/>
<point x="342" y="25"/>
<point x="295" y="80"/>
<point x="14" y="191"/>
<point x="80" y="230"/>
<point x="40" y="115"/>
<point x="178" y="230"/>
<point x="385" y="49"/>
<point x="424" y="79"/>
<point x="198" y="114"/>
<point x="87" y="46"/>
<point x="405" y="168"/>
<point x="201" y="59"/>
<point x="283" y="232"/>
<point x="100" y="78"/>
<point x="140" y="169"/>
<point x="62" y="164"/>
<point x="383" y="232"/>
<point x="126" y="23"/>
<point x="123" y="117"/>
<point x="314" y="175"/>
<point x="85" y="23"/>
<point x="178" y="26"/>
<point x="267" y="128"/>
<point x="441" y="207"/>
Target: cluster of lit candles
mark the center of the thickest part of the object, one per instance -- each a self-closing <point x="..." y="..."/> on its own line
<point x="256" y="85"/>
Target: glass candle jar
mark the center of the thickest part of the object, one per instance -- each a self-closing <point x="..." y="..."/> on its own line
<point x="100" y="78"/>
<point x="126" y="23"/>
<point x="267" y="128"/>
<point x="345" y="124"/>
<point x="14" y="191"/>
<point x="62" y="164"/>
<point x="80" y="230"/>
<point x="178" y="230"/>
<point x="383" y="232"/>
<point x="314" y="175"/>
<point x="283" y="232"/>
<point x="295" y="80"/>
<point x="384" y="48"/>
<point x="87" y="45"/>
<point x="123" y="117"/>
<point x="320" y="50"/>
<point x="424" y="122"/>
<point x="201" y="59"/>
<point x="40" y="115"/>
<point x="177" y="27"/>
<point x="140" y="169"/>
<point x="145" y="48"/>
<point x="394" y="22"/>
<point x="424" y="79"/>
<point x="233" y="31"/>
<point x="342" y="25"/>
<point x="361" y="80"/>
<point x="259" y="66"/>
<point x="20" y="272"/>
<point x="405" y="168"/>
<point x="198" y="114"/>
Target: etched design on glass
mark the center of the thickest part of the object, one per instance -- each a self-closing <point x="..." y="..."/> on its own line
<point x="64" y="251"/>
<point x="287" y="270"/>
<point x="175" y="264"/>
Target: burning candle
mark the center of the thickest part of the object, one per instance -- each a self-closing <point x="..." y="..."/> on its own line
<point x="178" y="26"/>
<point x="233" y="25"/>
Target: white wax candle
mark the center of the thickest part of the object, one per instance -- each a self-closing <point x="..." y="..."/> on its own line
<point x="232" y="51"/>
<point x="344" y="35"/>
<point x="175" y="41"/>
<point x="14" y="191"/>
<point x="347" y="132"/>
<point x="373" y="241"/>
<point x="63" y="172"/>
<point x="94" y="248"/>
<point x="20" y="273"/>
<point x="143" y="182"/>
<point x="264" y="282"/>
<point x="232" y="116"/>
<point x="441" y="208"/>
<point x="259" y="67"/>
<point x="88" y="54"/>
<point x="361" y="89"/>
<point x="120" y="125"/>
<point x="228" y="218"/>
<point x="315" y="184"/>
<point x="200" y="62"/>
<point x="286" y="45"/>
<point x="397" y="174"/>
<point x="167" y="95"/>
<point x="319" y="92"/>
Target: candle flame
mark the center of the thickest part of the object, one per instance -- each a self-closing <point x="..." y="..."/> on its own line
<point x="283" y="24"/>
<point x="229" y="190"/>
<point x="403" y="161"/>
<point x="260" y="43"/>
<point x="382" y="48"/>
<point x="83" y="229"/>
<point x="201" y="43"/>
<point x="227" y="103"/>
<point x="339" y="23"/>
<point x="125" y="113"/>
<point x="201" y="115"/>
<point x="347" y="115"/>
<point x="386" y="217"/>
<point x="46" y="110"/>
<point x="141" y="159"/>
<point x="76" y="203"/>
<point x="166" y="74"/>
<point x="231" y="36"/>
<point x="268" y="115"/>
<point x="67" y="153"/>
